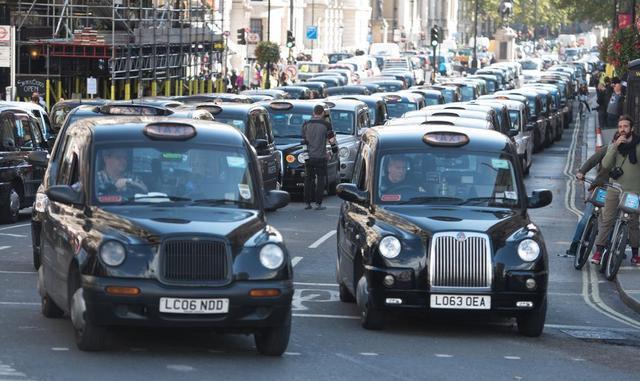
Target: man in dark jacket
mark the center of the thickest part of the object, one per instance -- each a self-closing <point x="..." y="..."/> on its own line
<point x="315" y="134"/>
<point x="603" y="93"/>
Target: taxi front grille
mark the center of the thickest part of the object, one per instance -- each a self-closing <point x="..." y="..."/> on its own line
<point x="194" y="261"/>
<point x="460" y="260"/>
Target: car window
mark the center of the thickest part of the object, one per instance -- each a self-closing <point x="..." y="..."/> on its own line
<point x="236" y="123"/>
<point x="444" y="176"/>
<point x="7" y="133"/>
<point x="288" y="124"/>
<point x="343" y="122"/>
<point x="261" y="128"/>
<point x="397" y="109"/>
<point x="68" y="171"/>
<point x="169" y="172"/>
<point x="27" y="134"/>
<point x="514" y="115"/>
<point x="360" y="167"/>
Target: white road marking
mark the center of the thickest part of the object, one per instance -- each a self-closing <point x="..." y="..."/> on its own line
<point x="180" y="368"/>
<point x="14" y="235"/>
<point x="315" y="284"/>
<point x="295" y="261"/>
<point x="578" y="359"/>
<point x="6" y="370"/>
<point x="4" y="247"/>
<point x="17" y="272"/>
<point x="368" y="354"/>
<point x="15" y="226"/>
<point x="443" y="355"/>
<point x="324" y="316"/>
<point x="18" y="304"/>
<point x="321" y="240"/>
<point x="60" y="349"/>
<point x="291" y="353"/>
<point x="512" y="357"/>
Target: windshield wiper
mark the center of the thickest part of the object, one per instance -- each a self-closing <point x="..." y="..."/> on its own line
<point x="427" y="199"/>
<point x="488" y="200"/>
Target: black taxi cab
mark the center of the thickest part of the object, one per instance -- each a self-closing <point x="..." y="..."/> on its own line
<point x="436" y="219"/>
<point x="287" y="118"/>
<point x="160" y="222"/>
<point x="254" y="122"/>
<point x="21" y="140"/>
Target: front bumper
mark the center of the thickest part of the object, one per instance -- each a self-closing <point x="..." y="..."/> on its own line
<point x="505" y="292"/>
<point x="245" y="312"/>
<point x="346" y="170"/>
<point x="293" y="179"/>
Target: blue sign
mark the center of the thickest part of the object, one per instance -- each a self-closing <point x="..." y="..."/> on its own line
<point x="312" y="32"/>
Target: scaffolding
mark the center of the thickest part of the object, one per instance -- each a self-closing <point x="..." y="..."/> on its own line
<point x="172" y="46"/>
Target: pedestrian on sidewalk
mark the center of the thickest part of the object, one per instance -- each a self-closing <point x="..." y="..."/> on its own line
<point x="622" y="154"/>
<point x="240" y="82"/>
<point x="233" y="78"/>
<point x="603" y="93"/>
<point x="583" y="98"/>
<point x="315" y="134"/>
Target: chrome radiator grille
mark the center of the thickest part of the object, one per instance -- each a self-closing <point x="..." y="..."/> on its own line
<point x="194" y="261"/>
<point x="460" y="260"/>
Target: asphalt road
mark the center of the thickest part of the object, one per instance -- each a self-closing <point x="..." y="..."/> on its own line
<point x="590" y="334"/>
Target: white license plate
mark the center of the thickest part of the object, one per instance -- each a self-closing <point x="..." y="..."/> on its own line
<point x="194" y="306"/>
<point x="461" y="302"/>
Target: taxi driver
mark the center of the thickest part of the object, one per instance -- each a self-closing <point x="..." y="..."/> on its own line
<point x="114" y="177"/>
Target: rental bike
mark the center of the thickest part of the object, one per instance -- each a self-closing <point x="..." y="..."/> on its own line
<point x="628" y="208"/>
<point x="588" y="237"/>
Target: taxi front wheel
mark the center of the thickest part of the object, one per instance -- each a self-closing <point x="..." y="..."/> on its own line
<point x="10" y="206"/>
<point x="370" y="318"/>
<point x="273" y="341"/>
<point x="532" y="323"/>
<point x="89" y="337"/>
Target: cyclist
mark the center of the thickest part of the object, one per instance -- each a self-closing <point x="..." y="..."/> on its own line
<point x="601" y="178"/>
<point x="621" y="160"/>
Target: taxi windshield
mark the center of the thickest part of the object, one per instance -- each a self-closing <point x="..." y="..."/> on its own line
<point x="170" y="172"/>
<point x="236" y="123"/>
<point x="468" y="93"/>
<point x="430" y="101"/>
<point x="58" y="115"/>
<point x="514" y="115"/>
<point x="397" y="109"/>
<point x="445" y="176"/>
<point x="342" y="122"/>
<point x="288" y="124"/>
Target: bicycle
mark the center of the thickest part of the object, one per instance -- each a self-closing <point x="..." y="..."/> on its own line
<point x="588" y="237"/>
<point x="629" y="207"/>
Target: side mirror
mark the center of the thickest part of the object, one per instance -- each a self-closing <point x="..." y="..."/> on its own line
<point x="350" y="192"/>
<point x="513" y="133"/>
<point x="540" y="198"/>
<point x="262" y="147"/>
<point x="276" y="199"/>
<point x="38" y="158"/>
<point x="64" y="194"/>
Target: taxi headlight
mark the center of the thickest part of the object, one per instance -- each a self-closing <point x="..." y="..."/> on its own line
<point x="390" y="247"/>
<point x="528" y="250"/>
<point x="41" y="202"/>
<point x="271" y="256"/>
<point x="344" y="153"/>
<point x="113" y="253"/>
<point x="302" y="157"/>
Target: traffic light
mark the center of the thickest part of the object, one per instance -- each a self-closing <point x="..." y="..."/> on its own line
<point x="291" y="41"/>
<point x="435" y="36"/>
<point x="440" y="34"/>
<point x="242" y="36"/>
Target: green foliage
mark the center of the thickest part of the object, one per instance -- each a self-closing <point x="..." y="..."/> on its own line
<point x="267" y="52"/>
<point x="622" y="46"/>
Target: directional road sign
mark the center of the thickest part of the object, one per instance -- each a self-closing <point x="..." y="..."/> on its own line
<point x="312" y="32"/>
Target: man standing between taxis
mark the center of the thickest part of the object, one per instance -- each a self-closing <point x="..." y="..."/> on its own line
<point x="315" y="134"/>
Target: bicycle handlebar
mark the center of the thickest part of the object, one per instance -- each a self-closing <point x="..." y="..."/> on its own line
<point x="607" y="184"/>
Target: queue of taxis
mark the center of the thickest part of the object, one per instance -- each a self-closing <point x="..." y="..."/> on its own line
<point x="159" y="221"/>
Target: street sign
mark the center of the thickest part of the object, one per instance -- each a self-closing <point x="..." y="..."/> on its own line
<point x="5" y="56"/>
<point x="312" y="32"/>
<point x="27" y="84"/>
<point x="291" y="70"/>
<point x="92" y="86"/>
<point x="5" y="34"/>
<point x="253" y="38"/>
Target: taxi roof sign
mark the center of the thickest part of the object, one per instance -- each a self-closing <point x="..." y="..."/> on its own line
<point x="281" y="105"/>
<point x="170" y="131"/>
<point x="445" y="138"/>
<point x="214" y="109"/>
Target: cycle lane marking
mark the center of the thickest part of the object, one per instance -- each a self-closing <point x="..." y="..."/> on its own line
<point x="322" y="239"/>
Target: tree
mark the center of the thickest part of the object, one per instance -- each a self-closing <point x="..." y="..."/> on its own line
<point x="621" y="47"/>
<point x="267" y="52"/>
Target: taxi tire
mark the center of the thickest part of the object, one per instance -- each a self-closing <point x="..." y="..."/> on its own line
<point x="531" y="323"/>
<point x="345" y="295"/>
<point x="7" y="215"/>
<point x="370" y="318"/>
<point x="49" y="308"/>
<point x="92" y="337"/>
<point x="332" y="187"/>
<point x="273" y="341"/>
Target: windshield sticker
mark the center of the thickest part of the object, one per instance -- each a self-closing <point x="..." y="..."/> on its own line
<point x="390" y="197"/>
<point x="500" y="163"/>
<point x="511" y="195"/>
<point x="245" y="191"/>
<point x="236" y="162"/>
<point x="110" y="198"/>
<point x="172" y="156"/>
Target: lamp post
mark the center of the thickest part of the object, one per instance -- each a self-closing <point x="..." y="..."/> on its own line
<point x="475" y="36"/>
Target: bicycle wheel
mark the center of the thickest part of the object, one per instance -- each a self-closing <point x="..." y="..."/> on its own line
<point x="586" y="243"/>
<point x="617" y="253"/>
<point x="613" y="236"/>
